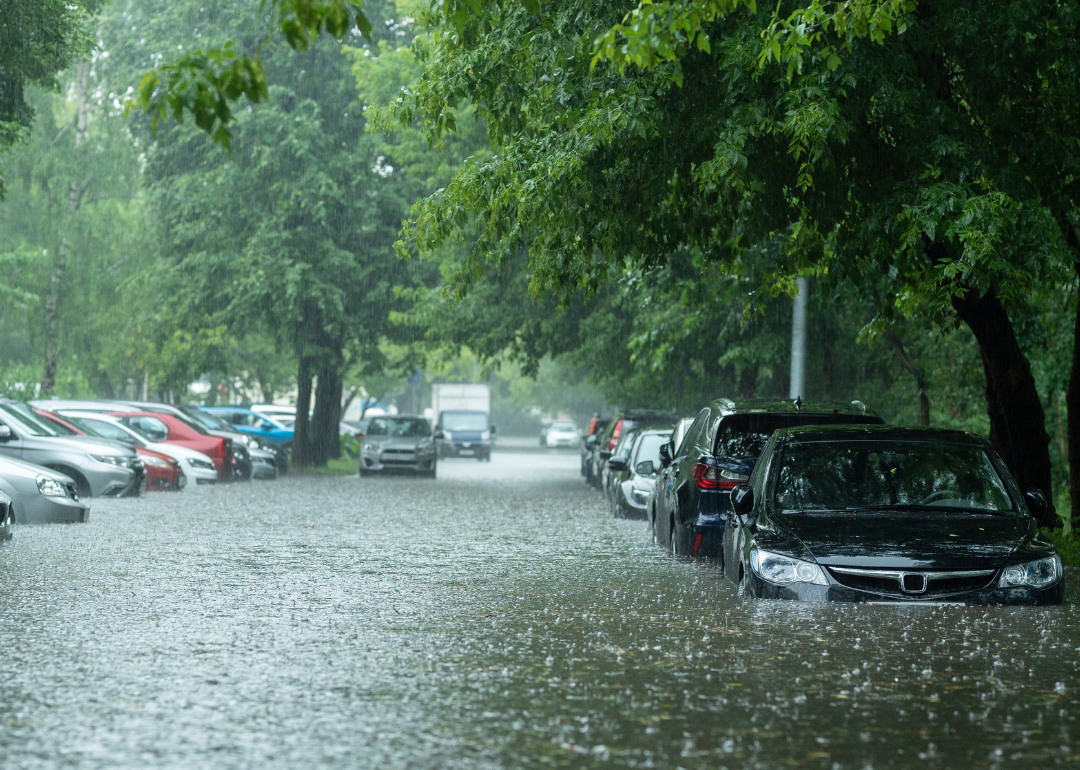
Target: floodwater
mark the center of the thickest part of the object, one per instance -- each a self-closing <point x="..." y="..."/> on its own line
<point x="495" y="617"/>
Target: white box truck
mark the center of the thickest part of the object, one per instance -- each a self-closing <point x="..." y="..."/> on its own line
<point x="461" y="415"/>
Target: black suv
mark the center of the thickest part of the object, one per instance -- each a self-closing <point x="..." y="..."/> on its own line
<point x="623" y="422"/>
<point x="691" y="499"/>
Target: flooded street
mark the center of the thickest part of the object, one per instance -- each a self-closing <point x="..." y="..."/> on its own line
<point x="495" y="617"/>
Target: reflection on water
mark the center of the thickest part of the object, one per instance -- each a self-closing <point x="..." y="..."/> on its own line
<point x="494" y="617"/>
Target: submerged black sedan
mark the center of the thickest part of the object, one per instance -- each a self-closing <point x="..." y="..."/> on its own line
<point x="884" y="514"/>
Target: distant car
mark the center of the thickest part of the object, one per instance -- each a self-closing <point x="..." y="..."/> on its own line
<point x="40" y="495"/>
<point x="609" y="476"/>
<point x="596" y="427"/>
<point x="462" y="433"/>
<point x="99" y="468"/>
<point x="170" y="429"/>
<point x="885" y="514"/>
<point x="562" y="433"/>
<point x="265" y="459"/>
<point x="253" y="423"/>
<point x="7" y="517"/>
<point x="624" y="420"/>
<point x="690" y="502"/>
<point x="163" y="473"/>
<point x="637" y="474"/>
<point x="398" y="443"/>
<point x="196" y="465"/>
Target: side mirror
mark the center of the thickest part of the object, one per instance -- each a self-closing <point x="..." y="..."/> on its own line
<point x="645" y="468"/>
<point x="267" y="426"/>
<point x="618" y="463"/>
<point x="605" y="454"/>
<point x="742" y="500"/>
<point x="439" y="434"/>
<point x="5" y="433"/>
<point x="1036" y="501"/>
<point x="493" y="431"/>
<point x="665" y="455"/>
<point x="590" y="441"/>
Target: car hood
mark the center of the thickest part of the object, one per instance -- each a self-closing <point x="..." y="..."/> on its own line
<point x="86" y="444"/>
<point x="11" y="470"/>
<point x="908" y="539"/>
<point x="402" y="442"/>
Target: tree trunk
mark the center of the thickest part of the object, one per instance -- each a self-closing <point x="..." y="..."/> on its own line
<point x="75" y="196"/>
<point x="920" y="377"/>
<point x="326" y="444"/>
<point x="1017" y="421"/>
<point x="301" y="443"/>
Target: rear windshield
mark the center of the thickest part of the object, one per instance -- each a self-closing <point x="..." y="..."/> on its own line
<point x="743" y="436"/>
<point x="840" y="475"/>
<point x="474" y="421"/>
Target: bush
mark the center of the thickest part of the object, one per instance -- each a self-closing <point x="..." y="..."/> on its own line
<point x="1067" y="545"/>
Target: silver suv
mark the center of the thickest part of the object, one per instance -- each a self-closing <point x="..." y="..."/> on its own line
<point x="99" y="468"/>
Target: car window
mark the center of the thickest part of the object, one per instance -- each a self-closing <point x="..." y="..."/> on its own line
<point x="103" y="429"/>
<point x="150" y="428"/>
<point x="692" y="433"/>
<point x="464" y="421"/>
<point x="648" y="448"/>
<point x="401" y="427"/>
<point x="839" y="475"/>
<point x="24" y="417"/>
<point x="63" y="430"/>
<point x="207" y="420"/>
<point x="626" y="442"/>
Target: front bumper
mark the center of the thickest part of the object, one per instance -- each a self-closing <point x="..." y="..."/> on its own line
<point x="114" y="481"/>
<point x="263" y="468"/>
<point x="376" y="461"/>
<point x="455" y="448"/>
<point x="39" y="509"/>
<point x="758" y="588"/>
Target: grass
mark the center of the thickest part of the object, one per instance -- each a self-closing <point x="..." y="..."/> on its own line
<point x="1067" y="545"/>
<point x="343" y="466"/>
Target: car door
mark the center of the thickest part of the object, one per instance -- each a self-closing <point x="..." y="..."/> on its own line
<point x="681" y="474"/>
<point x="738" y="530"/>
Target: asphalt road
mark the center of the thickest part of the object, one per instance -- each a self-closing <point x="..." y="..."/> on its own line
<point x="494" y="617"/>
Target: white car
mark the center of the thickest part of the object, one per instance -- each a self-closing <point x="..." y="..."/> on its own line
<point x="274" y="411"/>
<point x="196" y="465"/>
<point x="563" y="434"/>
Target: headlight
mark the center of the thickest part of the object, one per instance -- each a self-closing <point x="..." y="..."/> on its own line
<point x="195" y="462"/>
<point x="50" y="487"/>
<point x="640" y="495"/>
<point x="119" y="460"/>
<point x="1034" y="574"/>
<point x="784" y="569"/>
<point x="485" y="435"/>
<point x="371" y="447"/>
<point x="156" y="462"/>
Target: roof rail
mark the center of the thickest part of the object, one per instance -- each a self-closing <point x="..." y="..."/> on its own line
<point x="727" y="402"/>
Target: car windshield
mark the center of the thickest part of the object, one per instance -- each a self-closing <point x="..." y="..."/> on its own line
<point x="648" y="449"/>
<point x="63" y="430"/>
<point x="285" y="422"/>
<point x="563" y="426"/>
<point x="839" y="475"/>
<point x="102" y="429"/>
<point x="208" y="421"/>
<point x="465" y="421"/>
<point x="398" y="427"/>
<point x="30" y="422"/>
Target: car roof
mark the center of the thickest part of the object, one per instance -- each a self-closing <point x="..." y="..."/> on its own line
<point x="777" y="406"/>
<point x="807" y="433"/>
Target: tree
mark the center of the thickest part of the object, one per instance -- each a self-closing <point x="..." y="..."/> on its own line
<point x="938" y="160"/>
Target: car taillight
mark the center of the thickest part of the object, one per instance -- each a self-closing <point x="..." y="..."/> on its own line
<point x="615" y="435"/>
<point x="710" y="477"/>
<point x="698" y="537"/>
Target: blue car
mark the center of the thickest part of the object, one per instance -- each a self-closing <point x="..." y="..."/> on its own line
<point x="247" y="421"/>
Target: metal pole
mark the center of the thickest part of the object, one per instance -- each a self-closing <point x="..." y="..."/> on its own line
<point x="798" y="340"/>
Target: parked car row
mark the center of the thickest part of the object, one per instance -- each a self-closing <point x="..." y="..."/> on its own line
<point x="823" y="502"/>
<point x="55" y="455"/>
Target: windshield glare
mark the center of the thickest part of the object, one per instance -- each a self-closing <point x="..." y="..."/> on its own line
<point x="29" y="421"/>
<point x="838" y="475"/>
<point x="398" y="427"/>
<point x="464" y="421"/>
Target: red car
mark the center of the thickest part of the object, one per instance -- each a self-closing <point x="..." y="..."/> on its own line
<point x="167" y="428"/>
<point x="163" y="473"/>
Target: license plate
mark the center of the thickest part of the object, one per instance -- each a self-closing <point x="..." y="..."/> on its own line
<point x="466" y="452"/>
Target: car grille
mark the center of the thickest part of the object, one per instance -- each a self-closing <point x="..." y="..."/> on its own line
<point x="398" y="457"/>
<point x="912" y="584"/>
